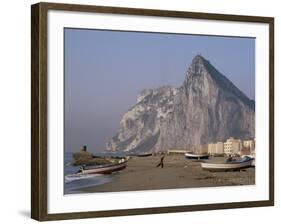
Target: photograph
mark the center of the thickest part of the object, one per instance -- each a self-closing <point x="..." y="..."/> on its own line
<point x="136" y="111"/>
<point x="155" y="110"/>
<point x="163" y="110"/>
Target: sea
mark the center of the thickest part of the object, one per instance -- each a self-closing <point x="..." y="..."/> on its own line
<point x="74" y="182"/>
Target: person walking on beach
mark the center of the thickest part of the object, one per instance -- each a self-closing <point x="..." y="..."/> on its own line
<point x="161" y="162"/>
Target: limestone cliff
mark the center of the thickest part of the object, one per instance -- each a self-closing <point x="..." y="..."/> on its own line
<point x="206" y="108"/>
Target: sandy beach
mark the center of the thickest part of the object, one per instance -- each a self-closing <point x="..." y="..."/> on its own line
<point x="142" y="174"/>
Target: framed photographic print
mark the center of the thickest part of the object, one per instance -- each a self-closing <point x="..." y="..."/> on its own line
<point x="141" y="111"/>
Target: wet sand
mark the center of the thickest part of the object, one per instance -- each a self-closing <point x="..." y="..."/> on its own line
<point x="141" y="174"/>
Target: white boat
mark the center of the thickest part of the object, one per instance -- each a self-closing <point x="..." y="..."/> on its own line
<point x="144" y="155"/>
<point x="231" y="165"/>
<point x="189" y="155"/>
<point x="104" y="169"/>
<point x="251" y="156"/>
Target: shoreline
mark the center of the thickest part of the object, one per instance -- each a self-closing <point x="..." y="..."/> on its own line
<point x="141" y="174"/>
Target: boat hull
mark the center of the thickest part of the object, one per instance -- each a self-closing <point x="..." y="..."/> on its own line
<point x="196" y="156"/>
<point x="105" y="170"/>
<point x="144" y="155"/>
<point x="226" y="166"/>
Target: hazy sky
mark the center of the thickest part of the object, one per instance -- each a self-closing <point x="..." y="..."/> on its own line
<point x="105" y="71"/>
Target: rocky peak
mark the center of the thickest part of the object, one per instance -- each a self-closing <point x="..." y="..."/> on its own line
<point x="206" y="108"/>
<point x="143" y="94"/>
<point x="196" y="68"/>
<point x="202" y="69"/>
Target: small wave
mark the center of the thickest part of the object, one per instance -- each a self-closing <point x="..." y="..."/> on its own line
<point x="73" y="177"/>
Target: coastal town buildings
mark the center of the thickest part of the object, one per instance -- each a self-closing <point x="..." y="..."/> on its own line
<point x="244" y="151"/>
<point x="204" y="148"/>
<point x="212" y="148"/>
<point x="249" y="144"/>
<point x="232" y="146"/>
<point x="176" y="151"/>
<point x="216" y="148"/>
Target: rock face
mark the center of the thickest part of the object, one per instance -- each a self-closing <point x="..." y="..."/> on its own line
<point x="206" y="108"/>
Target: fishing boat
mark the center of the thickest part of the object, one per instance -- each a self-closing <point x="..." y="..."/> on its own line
<point x="228" y="165"/>
<point x="251" y="156"/>
<point x="104" y="169"/>
<point x="194" y="156"/>
<point x="144" y="155"/>
<point x="254" y="162"/>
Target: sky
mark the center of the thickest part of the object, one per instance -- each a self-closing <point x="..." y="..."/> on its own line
<point x="105" y="71"/>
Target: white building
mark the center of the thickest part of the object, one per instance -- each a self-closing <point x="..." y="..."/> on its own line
<point x="250" y="144"/>
<point x="232" y="146"/>
<point x="220" y="148"/>
<point x="215" y="148"/>
<point x="211" y="148"/>
<point x="176" y="151"/>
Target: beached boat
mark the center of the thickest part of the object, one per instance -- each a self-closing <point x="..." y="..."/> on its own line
<point x="104" y="169"/>
<point x="189" y="155"/>
<point x="144" y="155"/>
<point x="254" y="162"/>
<point x="228" y="165"/>
<point x="251" y="156"/>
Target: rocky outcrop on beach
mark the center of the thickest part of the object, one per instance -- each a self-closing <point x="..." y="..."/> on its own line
<point x="83" y="157"/>
<point x="206" y="108"/>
